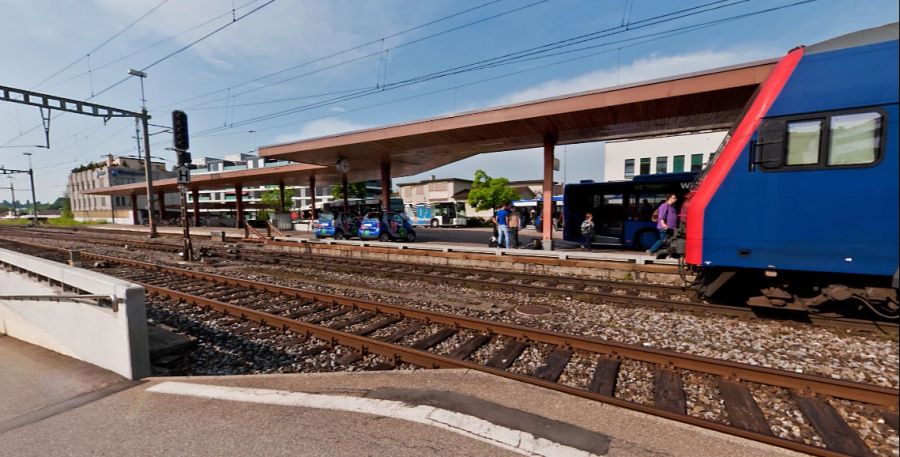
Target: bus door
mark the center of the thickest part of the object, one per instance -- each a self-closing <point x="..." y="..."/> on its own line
<point x="609" y="218"/>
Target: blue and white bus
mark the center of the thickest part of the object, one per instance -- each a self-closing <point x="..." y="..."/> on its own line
<point x="623" y="210"/>
<point x="443" y="214"/>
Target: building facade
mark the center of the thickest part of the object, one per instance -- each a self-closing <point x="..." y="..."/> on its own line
<point x="456" y="190"/>
<point x="111" y="172"/>
<point x="626" y="159"/>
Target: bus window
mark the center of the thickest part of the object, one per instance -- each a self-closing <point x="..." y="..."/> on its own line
<point x="642" y="206"/>
<point x="460" y="209"/>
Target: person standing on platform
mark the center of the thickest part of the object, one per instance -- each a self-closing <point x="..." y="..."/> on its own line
<point x="514" y="221"/>
<point x="587" y="232"/>
<point x="502" y="220"/>
<point x="668" y="220"/>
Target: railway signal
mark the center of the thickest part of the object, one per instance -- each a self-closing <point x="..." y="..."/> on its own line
<point x="181" y="143"/>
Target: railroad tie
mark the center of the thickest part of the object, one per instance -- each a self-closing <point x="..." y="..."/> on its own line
<point x="349" y="358"/>
<point x="307" y="311"/>
<point x="434" y="338"/>
<point x="891" y="418"/>
<point x="468" y="348"/>
<point x="668" y="391"/>
<point x="328" y="316"/>
<point x="339" y="325"/>
<point x="553" y="365"/>
<point x="605" y="375"/>
<point x="377" y="325"/>
<point x="507" y="355"/>
<point x="403" y="332"/>
<point x="831" y="427"/>
<point x="743" y="411"/>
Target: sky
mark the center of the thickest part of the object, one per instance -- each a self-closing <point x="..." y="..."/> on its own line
<point x="282" y="70"/>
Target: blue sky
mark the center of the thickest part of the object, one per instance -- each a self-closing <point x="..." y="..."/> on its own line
<point x="42" y="36"/>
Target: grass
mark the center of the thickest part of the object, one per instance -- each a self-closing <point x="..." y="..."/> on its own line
<point x="54" y="222"/>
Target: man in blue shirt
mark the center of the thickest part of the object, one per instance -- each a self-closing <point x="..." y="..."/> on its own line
<point x="667" y="221"/>
<point x="502" y="221"/>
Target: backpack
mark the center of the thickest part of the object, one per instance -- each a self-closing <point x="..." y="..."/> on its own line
<point x="655" y="216"/>
<point x="586" y="227"/>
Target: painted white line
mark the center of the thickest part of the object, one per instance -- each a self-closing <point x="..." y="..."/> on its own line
<point x="470" y="426"/>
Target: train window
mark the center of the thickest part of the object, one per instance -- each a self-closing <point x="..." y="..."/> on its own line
<point x="803" y="140"/>
<point x="854" y="139"/>
<point x="678" y="164"/>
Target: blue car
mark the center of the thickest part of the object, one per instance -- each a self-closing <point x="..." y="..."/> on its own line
<point x="389" y="226"/>
<point x="338" y="226"/>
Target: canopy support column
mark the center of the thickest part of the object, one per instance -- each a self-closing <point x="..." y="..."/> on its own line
<point x="195" y="199"/>
<point x="547" y="213"/>
<point x="161" y="196"/>
<point x="281" y="195"/>
<point x="239" y="205"/>
<point x="386" y="186"/>
<point x="346" y="192"/>
<point x="312" y="197"/>
<point x="135" y="219"/>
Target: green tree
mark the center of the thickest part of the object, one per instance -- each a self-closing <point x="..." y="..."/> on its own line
<point x="488" y="192"/>
<point x="67" y="208"/>
<point x="271" y="199"/>
<point x="356" y="190"/>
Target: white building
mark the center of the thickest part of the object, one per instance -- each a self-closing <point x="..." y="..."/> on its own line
<point x="111" y="172"/>
<point x="222" y="200"/>
<point x="626" y="159"/>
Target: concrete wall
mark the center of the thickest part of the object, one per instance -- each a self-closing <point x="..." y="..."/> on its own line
<point x="114" y="340"/>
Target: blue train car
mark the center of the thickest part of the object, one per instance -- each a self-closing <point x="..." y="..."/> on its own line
<point x="801" y="200"/>
<point x="623" y="210"/>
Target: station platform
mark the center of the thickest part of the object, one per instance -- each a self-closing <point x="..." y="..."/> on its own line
<point x="462" y="239"/>
<point x="65" y="407"/>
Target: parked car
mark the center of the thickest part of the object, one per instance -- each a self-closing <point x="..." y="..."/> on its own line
<point x="387" y="226"/>
<point x="336" y="225"/>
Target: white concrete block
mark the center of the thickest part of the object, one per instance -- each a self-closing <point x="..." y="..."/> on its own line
<point x="114" y="340"/>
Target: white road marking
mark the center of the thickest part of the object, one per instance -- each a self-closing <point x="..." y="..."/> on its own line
<point x="470" y="426"/>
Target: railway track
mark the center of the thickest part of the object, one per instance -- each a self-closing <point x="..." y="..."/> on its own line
<point x="660" y="296"/>
<point x="438" y="340"/>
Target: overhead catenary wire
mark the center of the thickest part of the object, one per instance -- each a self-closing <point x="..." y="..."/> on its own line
<point x="497" y="62"/>
<point x="101" y="45"/>
<point x="666" y="16"/>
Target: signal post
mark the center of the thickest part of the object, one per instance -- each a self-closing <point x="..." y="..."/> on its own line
<point x="181" y="144"/>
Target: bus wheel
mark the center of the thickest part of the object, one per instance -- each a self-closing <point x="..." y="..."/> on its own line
<point x="339" y="235"/>
<point x="435" y="223"/>
<point x="384" y="237"/>
<point x="411" y="237"/>
<point x="646" y="239"/>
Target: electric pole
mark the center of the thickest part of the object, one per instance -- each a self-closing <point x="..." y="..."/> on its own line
<point x="12" y="189"/>
<point x="34" y="213"/>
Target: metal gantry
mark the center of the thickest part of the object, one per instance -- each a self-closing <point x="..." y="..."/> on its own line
<point x="47" y="103"/>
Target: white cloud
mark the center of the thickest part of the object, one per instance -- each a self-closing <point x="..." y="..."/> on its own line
<point x="280" y="31"/>
<point x="320" y="127"/>
<point x="643" y="69"/>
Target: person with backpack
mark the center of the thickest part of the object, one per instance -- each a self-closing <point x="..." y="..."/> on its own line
<point x="587" y="232"/>
<point x="502" y="221"/>
<point x="667" y="220"/>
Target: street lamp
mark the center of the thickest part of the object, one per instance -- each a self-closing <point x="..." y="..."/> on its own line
<point x="148" y="175"/>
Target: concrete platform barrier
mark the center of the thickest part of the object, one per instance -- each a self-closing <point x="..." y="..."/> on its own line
<point x="108" y="330"/>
